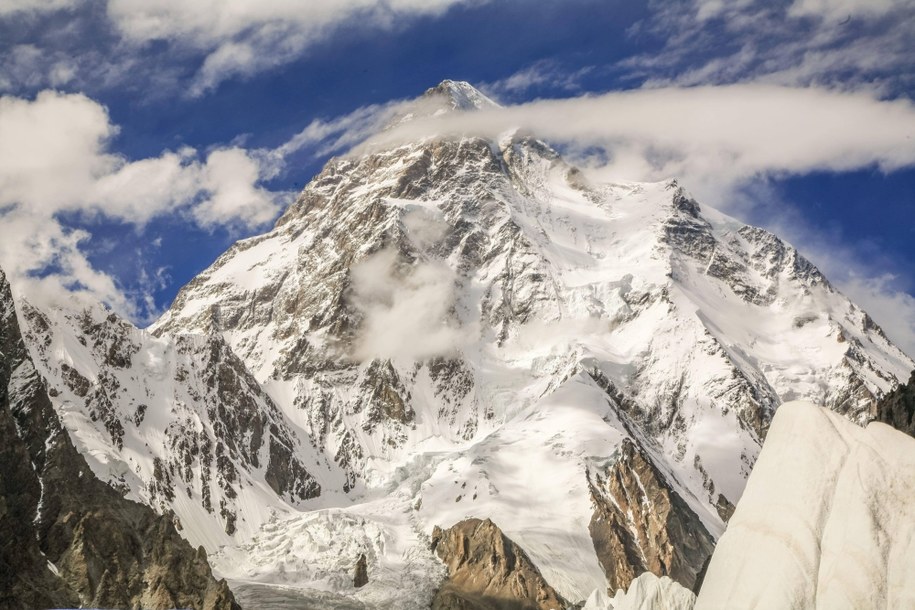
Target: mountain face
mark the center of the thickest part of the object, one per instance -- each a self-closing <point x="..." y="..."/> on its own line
<point x="68" y="539"/>
<point x="487" y="570"/>
<point x="463" y="328"/>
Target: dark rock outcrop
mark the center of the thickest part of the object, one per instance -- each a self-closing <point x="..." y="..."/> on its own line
<point x="641" y="525"/>
<point x="898" y="408"/>
<point x="361" y="577"/>
<point x="487" y="571"/>
<point x="66" y="538"/>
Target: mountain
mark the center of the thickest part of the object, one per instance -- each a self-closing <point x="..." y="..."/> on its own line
<point x="462" y="328"/>
<point x="68" y="539"/>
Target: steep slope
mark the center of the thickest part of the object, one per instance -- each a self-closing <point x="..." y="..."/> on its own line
<point x="179" y="425"/>
<point x="641" y="525"/>
<point x="69" y="539"/>
<point x="829" y="513"/>
<point x="463" y="327"/>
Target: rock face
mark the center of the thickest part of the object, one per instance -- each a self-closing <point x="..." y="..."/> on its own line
<point x="487" y="571"/>
<point x="361" y="576"/>
<point x="898" y="408"/>
<point x="641" y="525"/>
<point x="67" y="538"/>
<point x="827" y="520"/>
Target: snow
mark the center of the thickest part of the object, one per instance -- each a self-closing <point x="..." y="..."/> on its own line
<point x="646" y="592"/>
<point x="829" y="514"/>
<point x="316" y="553"/>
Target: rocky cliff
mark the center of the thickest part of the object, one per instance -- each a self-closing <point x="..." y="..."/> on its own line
<point x="641" y="525"/>
<point x="487" y="571"/>
<point x="898" y="408"/>
<point x="69" y="539"/>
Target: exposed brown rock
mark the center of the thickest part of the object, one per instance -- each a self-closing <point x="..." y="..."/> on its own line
<point x="725" y="508"/>
<point x="641" y="525"/>
<point x="487" y="571"/>
<point x="361" y="577"/>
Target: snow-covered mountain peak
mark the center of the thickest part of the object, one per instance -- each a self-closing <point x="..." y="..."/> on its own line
<point x="461" y="95"/>
<point x="467" y="327"/>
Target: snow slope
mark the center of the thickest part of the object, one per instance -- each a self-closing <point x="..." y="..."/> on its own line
<point x="829" y="514"/>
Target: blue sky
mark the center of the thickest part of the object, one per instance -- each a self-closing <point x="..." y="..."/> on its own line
<point x="138" y="140"/>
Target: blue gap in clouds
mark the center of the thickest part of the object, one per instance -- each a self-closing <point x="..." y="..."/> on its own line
<point x="871" y="212"/>
<point x="127" y="252"/>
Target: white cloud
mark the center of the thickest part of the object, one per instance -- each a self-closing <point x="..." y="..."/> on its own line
<point x="55" y="158"/>
<point x="407" y="310"/>
<point x="343" y="132"/>
<point x="230" y="177"/>
<point x="711" y="137"/>
<point x="841" y="44"/>
<point x="242" y="37"/>
<point x="10" y="7"/>
<point x="839" y="10"/>
<point x="540" y="73"/>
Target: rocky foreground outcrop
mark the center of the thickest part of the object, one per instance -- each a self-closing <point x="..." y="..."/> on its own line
<point x="898" y="408"/>
<point x="487" y="571"/>
<point x="640" y="525"/>
<point x="66" y="538"/>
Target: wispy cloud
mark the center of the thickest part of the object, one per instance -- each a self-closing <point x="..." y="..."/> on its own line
<point x="540" y="74"/>
<point x="243" y="38"/>
<point x="841" y="44"/>
<point x="407" y="310"/>
<point x="713" y="137"/>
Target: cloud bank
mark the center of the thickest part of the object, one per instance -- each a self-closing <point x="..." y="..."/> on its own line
<point x="243" y="37"/>
<point x="407" y="310"/>
<point x="712" y="137"/>
<point x="55" y="159"/>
